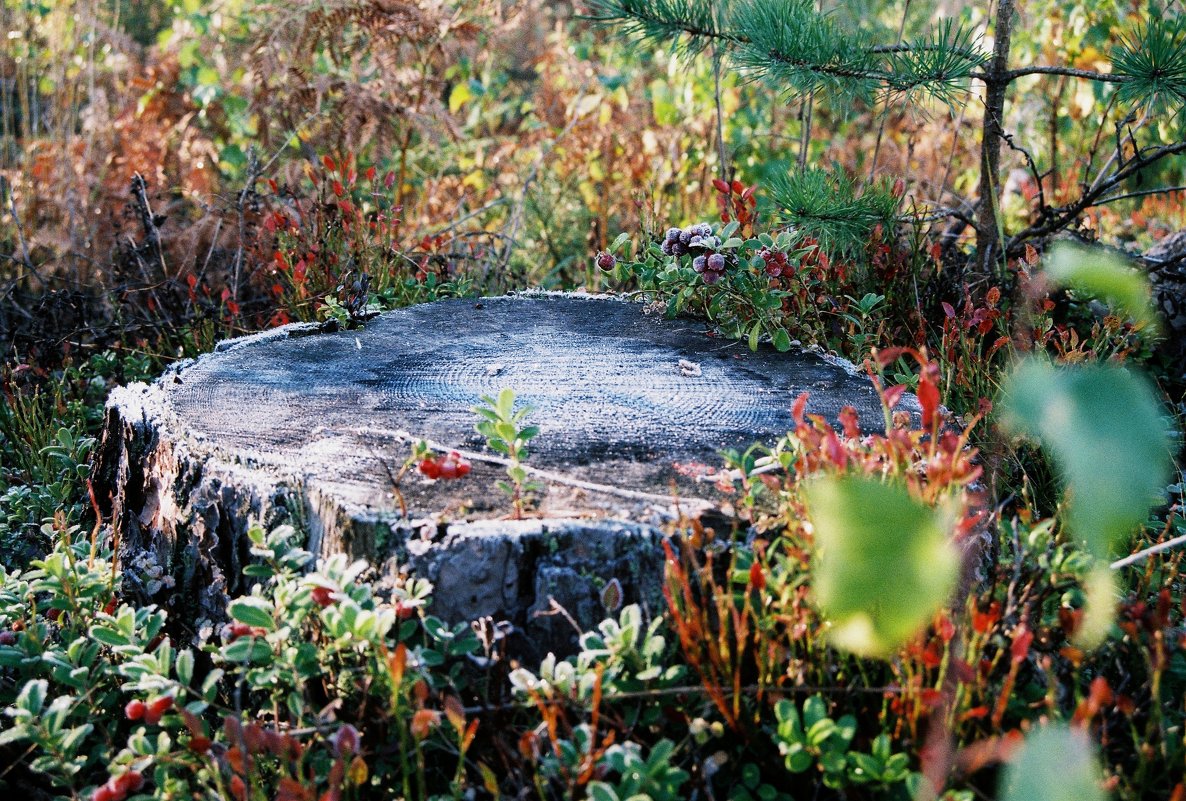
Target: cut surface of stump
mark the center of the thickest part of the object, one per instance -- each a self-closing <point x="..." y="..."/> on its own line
<point x="298" y="422"/>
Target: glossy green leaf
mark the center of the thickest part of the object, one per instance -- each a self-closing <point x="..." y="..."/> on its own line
<point x="253" y="612"/>
<point x="884" y="563"/>
<point x="1103" y="276"/>
<point x="1055" y="764"/>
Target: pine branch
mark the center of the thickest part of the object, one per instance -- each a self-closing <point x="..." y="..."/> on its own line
<point x="824" y="205"/>
<point x="665" y="22"/>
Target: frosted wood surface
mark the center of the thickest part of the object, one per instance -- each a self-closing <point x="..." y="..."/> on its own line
<point x="610" y="398"/>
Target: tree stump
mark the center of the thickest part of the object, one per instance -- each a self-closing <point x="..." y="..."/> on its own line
<point x="302" y="423"/>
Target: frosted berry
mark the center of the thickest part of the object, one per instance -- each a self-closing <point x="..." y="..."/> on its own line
<point x="685" y="237"/>
<point x="699" y="263"/>
<point x="606" y="261"/>
<point x="716" y="263"/>
<point x="678" y="248"/>
<point x="7" y="637"/>
<point x="134" y="710"/>
<point x="666" y="248"/>
<point x="711" y="277"/>
<point x="672" y="235"/>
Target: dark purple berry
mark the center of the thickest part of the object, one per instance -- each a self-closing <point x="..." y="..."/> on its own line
<point x="711" y="277"/>
<point x="696" y="241"/>
<point x="7" y="637"/>
<point x="672" y="235"/>
<point x="716" y="263"/>
<point x="678" y="248"/>
<point x="685" y="237"/>
<point x="704" y="229"/>
<point x="699" y="263"/>
<point x="606" y="261"/>
<point x="666" y="248"/>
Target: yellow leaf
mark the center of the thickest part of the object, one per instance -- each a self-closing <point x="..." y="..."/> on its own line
<point x="459" y="96"/>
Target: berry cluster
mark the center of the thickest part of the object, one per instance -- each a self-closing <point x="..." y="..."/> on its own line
<point x="150" y="713"/>
<point x="776" y="262"/>
<point x="679" y="241"/>
<point x="699" y="240"/>
<point x="451" y="466"/>
<point x="118" y="787"/>
<point x="710" y="267"/>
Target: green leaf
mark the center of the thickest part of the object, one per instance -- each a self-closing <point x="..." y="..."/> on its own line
<point x="1105" y="277"/>
<point x="782" y="340"/>
<point x="185" y="666"/>
<point x="253" y="612"/>
<point x="247" y="649"/>
<point x="109" y="636"/>
<point x="1055" y="764"/>
<point x="884" y="564"/>
<point x="32" y="696"/>
<point x="1102" y="424"/>
<point x="754" y="333"/>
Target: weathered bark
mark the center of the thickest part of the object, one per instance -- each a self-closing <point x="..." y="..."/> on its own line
<point x="996" y="79"/>
<point x="296" y="423"/>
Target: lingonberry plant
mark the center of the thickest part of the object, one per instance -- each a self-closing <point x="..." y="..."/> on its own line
<point x="501" y="424"/>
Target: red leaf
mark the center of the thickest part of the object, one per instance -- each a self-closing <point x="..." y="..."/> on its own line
<point x="757" y="579"/>
<point x="1021" y="644"/>
<point x="928" y="398"/>
<point x="799" y="407"/>
<point x="329" y="163"/>
<point x="893" y="395"/>
<point x="720" y="185"/>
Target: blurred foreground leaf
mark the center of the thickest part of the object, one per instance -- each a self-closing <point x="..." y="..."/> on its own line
<point x="1105" y="277"/>
<point x="1055" y="764"/>
<point x="884" y="562"/>
<point x="1102" y="424"/>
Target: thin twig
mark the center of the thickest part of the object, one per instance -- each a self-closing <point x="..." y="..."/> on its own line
<point x="547" y="475"/>
<point x="1159" y="191"/>
<point x="1152" y="549"/>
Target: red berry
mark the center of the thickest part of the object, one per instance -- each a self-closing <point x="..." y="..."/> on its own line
<point x="103" y="793"/>
<point x="7" y="637"/>
<point x="118" y="793"/>
<point x="448" y="469"/>
<point x="430" y="468"/>
<point x="323" y="596"/>
<point x="238" y="788"/>
<point x="240" y="630"/>
<point x="135" y="709"/>
<point x="157" y="709"/>
<point x="129" y="782"/>
<point x="404" y="611"/>
<point x="606" y="261"/>
<point x="463" y="468"/>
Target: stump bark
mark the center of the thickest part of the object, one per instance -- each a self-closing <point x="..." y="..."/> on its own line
<point x="300" y="423"/>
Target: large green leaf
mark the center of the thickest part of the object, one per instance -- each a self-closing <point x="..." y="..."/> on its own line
<point x="884" y="564"/>
<point x="1055" y="764"/>
<point x="1105" y="277"/>
<point x="1102" y="424"/>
